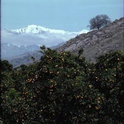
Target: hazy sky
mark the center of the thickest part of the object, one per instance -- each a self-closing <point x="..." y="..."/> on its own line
<point x="71" y="15"/>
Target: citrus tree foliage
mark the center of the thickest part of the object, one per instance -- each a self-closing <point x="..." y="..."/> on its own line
<point x="108" y="78"/>
<point x="5" y="65"/>
<point x="99" y="21"/>
<point x="64" y="89"/>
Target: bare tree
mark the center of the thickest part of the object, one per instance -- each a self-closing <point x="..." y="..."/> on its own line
<point x="99" y="21"/>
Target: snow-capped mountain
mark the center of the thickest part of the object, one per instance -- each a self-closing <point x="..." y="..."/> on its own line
<point x="41" y="30"/>
<point x="13" y="41"/>
<point x="33" y="34"/>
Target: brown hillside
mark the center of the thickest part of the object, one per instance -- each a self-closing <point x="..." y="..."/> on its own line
<point x="98" y="42"/>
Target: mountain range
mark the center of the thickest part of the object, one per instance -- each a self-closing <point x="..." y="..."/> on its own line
<point x="94" y="43"/>
<point x="25" y="40"/>
<point x="37" y="35"/>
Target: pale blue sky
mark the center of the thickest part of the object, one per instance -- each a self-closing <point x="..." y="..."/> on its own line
<point x="71" y="15"/>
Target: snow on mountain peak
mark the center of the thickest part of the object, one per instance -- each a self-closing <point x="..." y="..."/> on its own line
<point x="33" y="34"/>
<point x="29" y="29"/>
<point x="40" y="30"/>
<point x="22" y="40"/>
